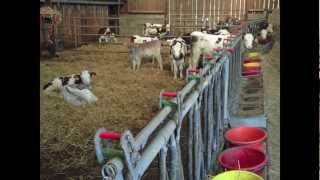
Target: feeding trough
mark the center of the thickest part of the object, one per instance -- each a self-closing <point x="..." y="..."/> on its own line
<point x="243" y="158"/>
<point x="237" y="175"/>
<point x="164" y="101"/>
<point x="107" y="145"/>
<point x="193" y="74"/>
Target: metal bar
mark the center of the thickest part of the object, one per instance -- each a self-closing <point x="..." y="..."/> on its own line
<point x="190" y="143"/>
<point x="174" y="159"/>
<point x="162" y="164"/>
<point x="196" y="143"/>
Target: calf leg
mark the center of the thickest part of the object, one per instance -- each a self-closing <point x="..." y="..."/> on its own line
<point x="133" y="65"/>
<point x="139" y="63"/>
<point x="181" y="69"/>
<point x="195" y="59"/>
<point x="160" y="62"/>
<point x="175" y="69"/>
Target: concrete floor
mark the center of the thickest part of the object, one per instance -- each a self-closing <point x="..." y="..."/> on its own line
<point x="271" y="78"/>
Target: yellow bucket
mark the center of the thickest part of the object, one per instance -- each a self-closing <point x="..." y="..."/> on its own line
<point x="253" y="54"/>
<point x="253" y="64"/>
<point x="237" y="175"/>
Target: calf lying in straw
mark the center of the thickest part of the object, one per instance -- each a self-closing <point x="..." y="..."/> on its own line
<point x="73" y="88"/>
<point x="150" y="49"/>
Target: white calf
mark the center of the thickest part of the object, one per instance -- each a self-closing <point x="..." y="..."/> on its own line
<point x="148" y="49"/>
<point x="264" y="34"/>
<point x="204" y="44"/>
<point x="248" y="40"/>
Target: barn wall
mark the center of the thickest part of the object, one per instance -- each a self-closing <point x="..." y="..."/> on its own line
<point x="146" y="6"/>
<point x="131" y="24"/>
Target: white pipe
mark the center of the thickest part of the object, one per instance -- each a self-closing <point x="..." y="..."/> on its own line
<point x="278" y="6"/>
<point x="192" y="12"/>
<point x="236" y="5"/>
<point x="210" y="21"/>
<point x="218" y="10"/>
<point x="196" y="12"/>
<point x="254" y="4"/>
<point x="214" y="12"/>
<point x="240" y="9"/>
<point x="273" y="4"/>
<point x="203" y="7"/>
<point x="169" y="16"/>
<point x="180" y="12"/>
<point x="269" y="4"/>
<point x="264" y="4"/>
<point x="231" y="12"/>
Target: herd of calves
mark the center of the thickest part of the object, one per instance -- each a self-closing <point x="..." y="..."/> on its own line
<point x="76" y="88"/>
<point x="195" y="44"/>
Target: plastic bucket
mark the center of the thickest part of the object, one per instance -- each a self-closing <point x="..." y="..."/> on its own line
<point x="237" y="175"/>
<point x="244" y="69"/>
<point x="245" y="135"/>
<point x="251" y="64"/>
<point x="249" y="72"/>
<point x="251" y="60"/>
<point x="253" y="54"/>
<point x="243" y="158"/>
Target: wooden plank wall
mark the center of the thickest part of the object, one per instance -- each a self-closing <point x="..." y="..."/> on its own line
<point x="146" y="6"/>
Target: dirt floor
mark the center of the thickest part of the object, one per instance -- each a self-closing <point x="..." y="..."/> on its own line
<point x="126" y="100"/>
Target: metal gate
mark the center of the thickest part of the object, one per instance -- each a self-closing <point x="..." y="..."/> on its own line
<point x="204" y="105"/>
<point x="85" y="29"/>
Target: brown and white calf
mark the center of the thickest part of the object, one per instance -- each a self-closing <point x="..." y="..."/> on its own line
<point x="150" y="49"/>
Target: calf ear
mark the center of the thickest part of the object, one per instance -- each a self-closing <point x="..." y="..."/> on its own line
<point x="47" y="85"/>
<point x="92" y="74"/>
<point x="219" y="39"/>
<point x="194" y="38"/>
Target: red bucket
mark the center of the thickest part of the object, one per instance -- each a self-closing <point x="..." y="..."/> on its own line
<point x="251" y="72"/>
<point x="244" y="69"/>
<point x="252" y="59"/>
<point x="245" y="135"/>
<point x="243" y="158"/>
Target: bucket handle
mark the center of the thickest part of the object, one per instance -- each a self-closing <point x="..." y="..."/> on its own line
<point x="239" y="170"/>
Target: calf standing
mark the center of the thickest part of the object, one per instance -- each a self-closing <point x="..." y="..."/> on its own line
<point x="178" y="51"/>
<point x="148" y="49"/>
